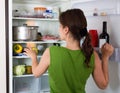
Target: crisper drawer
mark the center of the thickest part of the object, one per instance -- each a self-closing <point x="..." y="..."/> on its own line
<point x="30" y="84"/>
<point x="44" y="84"/>
<point x="26" y="85"/>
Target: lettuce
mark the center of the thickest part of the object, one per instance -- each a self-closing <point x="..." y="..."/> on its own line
<point x="19" y="69"/>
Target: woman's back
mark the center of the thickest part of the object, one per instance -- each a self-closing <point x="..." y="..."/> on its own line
<point x="70" y="69"/>
<point x="67" y="71"/>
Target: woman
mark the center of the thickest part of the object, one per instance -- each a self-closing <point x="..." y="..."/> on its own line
<point x="69" y="67"/>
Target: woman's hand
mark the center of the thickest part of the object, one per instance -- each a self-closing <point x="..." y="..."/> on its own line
<point x="100" y="73"/>
<point x="107" y="50"/>
<point x="31" y="53"/>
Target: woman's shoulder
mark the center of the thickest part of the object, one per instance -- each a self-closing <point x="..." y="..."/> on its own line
<point x="54" y="47"/>
<point x="58" y="47"/>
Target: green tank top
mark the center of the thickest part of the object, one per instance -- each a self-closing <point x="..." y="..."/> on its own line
<point x="67" y="71"/>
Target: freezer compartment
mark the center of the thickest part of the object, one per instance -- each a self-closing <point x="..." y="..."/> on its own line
<point x="31" y="84"/>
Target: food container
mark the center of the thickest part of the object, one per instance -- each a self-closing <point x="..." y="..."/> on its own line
<point x="25" y="32"/>
<point x="39" y="11"/>
<point x="28" y="69"/>
<point x="94" y="37"/>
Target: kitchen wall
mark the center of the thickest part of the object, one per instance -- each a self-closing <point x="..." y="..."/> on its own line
<point x="2" y="48"/>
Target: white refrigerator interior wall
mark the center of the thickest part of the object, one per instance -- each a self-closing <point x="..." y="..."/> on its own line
<point x="2" y="48"/>
<point x="113" y="19"/>
<point x="114" y="67"/>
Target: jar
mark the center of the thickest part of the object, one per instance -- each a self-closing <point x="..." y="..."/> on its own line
<point x="28" y="69"/>
<point x="39" y="11"/>
<point x="16" y="13"/>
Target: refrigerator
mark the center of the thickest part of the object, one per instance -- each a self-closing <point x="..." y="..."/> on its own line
<point x="31" y="13"/>
<point x="22" y="12"/>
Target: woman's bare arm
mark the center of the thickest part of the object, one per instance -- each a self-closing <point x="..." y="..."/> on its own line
<point x="39" y="68"/>
<point x="100" y="73"/>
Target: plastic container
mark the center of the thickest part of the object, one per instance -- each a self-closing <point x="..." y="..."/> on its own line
<point x="48" y="13"/>
<point x="94" y="37"/>
<point x="16" y="13"/>
<point x="39" y="11"/>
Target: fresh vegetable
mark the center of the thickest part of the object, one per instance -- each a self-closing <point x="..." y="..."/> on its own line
<point x="17" y="48"/>
<point x="19" y="69"/>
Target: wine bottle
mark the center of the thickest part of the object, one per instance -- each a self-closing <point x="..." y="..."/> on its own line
<point x="104" y="36"/>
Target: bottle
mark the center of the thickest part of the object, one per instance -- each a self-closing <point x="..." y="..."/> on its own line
<point x="104" y="36"/>
<point x="95" y="13"/>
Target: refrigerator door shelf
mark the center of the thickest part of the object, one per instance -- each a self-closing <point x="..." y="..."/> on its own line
<point x="116" y="55"/>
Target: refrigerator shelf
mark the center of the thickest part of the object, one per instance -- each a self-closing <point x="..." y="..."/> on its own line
<point x="39" y="19"/>
<point x="39" y="42"/>
<point x="28" y="75"/>
<point x="19" y="57"/>
<point x="46" y="2"/>
<point x="27" y="91"/>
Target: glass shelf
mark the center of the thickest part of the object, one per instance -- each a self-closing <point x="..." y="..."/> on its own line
<point x="82" y="1"/>
<point x="47" y="2"/>
<point x="28" y="75"/>
<point x="39" y="19"/>
<point x="39" y="42"/>
<point x="19" y="57"/>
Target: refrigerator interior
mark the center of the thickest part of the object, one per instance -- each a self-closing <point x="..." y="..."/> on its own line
<point x="30" y="84"/>
<point x="27" y="83"/>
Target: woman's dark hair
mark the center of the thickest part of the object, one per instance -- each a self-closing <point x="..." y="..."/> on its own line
<point x="75" y="20"/>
